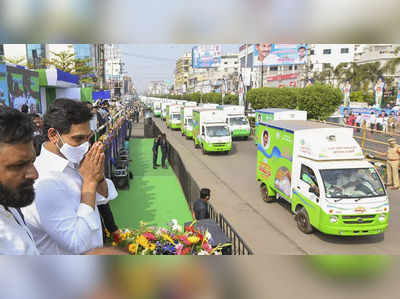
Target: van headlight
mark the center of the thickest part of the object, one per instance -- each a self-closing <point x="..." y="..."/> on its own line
<point x="333" y="219"/>
<point x="382" y="217"/>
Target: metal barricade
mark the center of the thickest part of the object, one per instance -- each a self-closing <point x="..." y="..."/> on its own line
<point x="239" y="246"/>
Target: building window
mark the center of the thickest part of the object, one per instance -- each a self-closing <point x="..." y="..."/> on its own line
<point x="327" y="51"/>
<point x="344" y="51"/>
<point x="225" y="62"/>
<point x="311" y="66"/>
<point x="226" y="69"/>
<point x="290" y="67"/>
<point x="295" y="67"/>
<point x="312" y="52"/>
<point x="273" y="68"/>
<point x="186" y="68"/>
<point x="236" y="62"/>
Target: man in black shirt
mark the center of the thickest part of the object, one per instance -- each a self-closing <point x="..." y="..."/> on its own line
<point x="156" y="144"/>
<point x="164" y="149"/>
<point x="200" y="206"/>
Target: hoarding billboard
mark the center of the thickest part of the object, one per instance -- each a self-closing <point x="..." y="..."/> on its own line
<point x="279" y="54"/>
<point x="23" y="88"/>
<point x="3" y="85"/>
<point x="206" y="56"/>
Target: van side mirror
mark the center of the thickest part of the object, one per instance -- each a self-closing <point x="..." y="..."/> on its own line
<point x="313" y="190"/>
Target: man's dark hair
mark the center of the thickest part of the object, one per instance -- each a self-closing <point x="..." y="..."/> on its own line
<point x="15" y="127"/>
<point x="265" y="133"/>
<point x="63" y="113"/>
<point x="163" y="135"/>
<point x="205" y="192"/>
<point x="24" y="108"/>
<point x="302" y="48"/>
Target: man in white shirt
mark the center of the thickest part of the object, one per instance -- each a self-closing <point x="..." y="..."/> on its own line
<point x="64" y="219"/>
<point x="17" y="176"/>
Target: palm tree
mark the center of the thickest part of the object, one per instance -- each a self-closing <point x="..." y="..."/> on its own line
<point x="16" y="60"/>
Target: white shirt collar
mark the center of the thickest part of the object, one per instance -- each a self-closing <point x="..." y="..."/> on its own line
<point x="56" y="162"/>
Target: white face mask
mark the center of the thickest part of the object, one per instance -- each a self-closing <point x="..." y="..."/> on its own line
<point x="74" y="154"/>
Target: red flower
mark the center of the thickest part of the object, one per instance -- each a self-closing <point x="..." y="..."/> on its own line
<point x="186" y="251"/>
<point x="149" y="236"/>
<point x="200" y="236"/>
<point x="116" y="237"/>
<point x="185" y="240"/>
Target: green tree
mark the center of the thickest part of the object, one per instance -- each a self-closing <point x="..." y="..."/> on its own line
<point x="64" y="61"/>
<point x="16" y="60"/>
<point x="83" y="70"/>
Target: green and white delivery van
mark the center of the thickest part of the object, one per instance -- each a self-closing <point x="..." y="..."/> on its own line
<point x="209" y="105"/>
<point x="321" y="171"/>
<point x="190" y="104"/>
<point x="173" y="116"/>
<point x="264" y="115"/>
<point x="157" y="108"/>
<point x="237" y="121"/>
<point x="164" y="110"/>
<point x="187" y="121"/>
<point x="210" y="132"/>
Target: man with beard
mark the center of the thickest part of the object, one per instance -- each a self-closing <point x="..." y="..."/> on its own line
<point x="64" y="218"/>
<point x="17" y="175"/>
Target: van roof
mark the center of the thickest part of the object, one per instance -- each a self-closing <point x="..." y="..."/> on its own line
<point x="273" y="110"/>
<point x="297" y="125"/>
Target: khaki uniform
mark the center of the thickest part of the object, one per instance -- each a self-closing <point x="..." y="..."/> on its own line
<point x="391" y="124"/>
<point x="392" y="165"/>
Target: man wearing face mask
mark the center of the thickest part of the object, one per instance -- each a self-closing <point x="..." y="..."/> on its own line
<point x="64" y="218"/>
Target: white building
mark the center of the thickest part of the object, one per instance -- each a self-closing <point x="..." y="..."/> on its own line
<point x="113" y="62"/>
<point x="15" y="51"/>
<point x="322" y="55"/>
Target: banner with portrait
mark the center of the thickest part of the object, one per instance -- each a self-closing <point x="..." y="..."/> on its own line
<point x="3" y="85"/>
<point x="346" y="92"/>
<point x="379" y="87"/>
<point x="279" y="54"/>
<point x="23" y="88"/>
<point x="398" y="95"/>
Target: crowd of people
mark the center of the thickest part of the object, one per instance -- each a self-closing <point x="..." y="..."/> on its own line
<point x="54" y="196"/>
<point x="378" y="121"/>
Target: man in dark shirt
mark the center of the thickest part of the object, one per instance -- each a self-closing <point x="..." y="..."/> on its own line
<point x="200" y="206"/>
<point x="164" y="149"/>
<point x="156" y="144"/>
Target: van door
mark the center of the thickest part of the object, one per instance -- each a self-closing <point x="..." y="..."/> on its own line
<point x="307" y="184"/>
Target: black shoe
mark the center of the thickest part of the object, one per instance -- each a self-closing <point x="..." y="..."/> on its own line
<point x="165" y="167"/>
<point x="154" y="167"/>
<point x="158" y="165"/>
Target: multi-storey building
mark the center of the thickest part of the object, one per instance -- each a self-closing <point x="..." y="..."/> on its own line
<point x="182" y="70"/>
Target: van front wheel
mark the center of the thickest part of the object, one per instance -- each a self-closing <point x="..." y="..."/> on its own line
<point x="265" y="194"/>
<point x="303" y="221"/>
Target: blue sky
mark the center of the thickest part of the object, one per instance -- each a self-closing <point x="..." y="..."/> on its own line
<point x="149" y="62"/>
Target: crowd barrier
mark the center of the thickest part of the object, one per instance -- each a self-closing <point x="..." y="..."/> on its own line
<point x="192" y="191"/>
<point x="113" y="134"/>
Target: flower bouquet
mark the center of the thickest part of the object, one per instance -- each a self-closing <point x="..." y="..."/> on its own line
<point x="173" y="240"/>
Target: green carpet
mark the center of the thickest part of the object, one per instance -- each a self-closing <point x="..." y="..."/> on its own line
<point x="155" y="195"/>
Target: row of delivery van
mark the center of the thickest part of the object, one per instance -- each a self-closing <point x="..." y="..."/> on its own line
<point x="319" y="169"/>
<point x="211" y="126"/>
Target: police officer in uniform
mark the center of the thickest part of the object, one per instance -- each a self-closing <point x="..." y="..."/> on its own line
<point x="392" y="164"/>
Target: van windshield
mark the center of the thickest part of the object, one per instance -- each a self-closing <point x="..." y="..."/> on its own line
<point x="352" y="183"/>
<point x="217" y="131"/>
<point x="239" y="121"/>
<point x="176" y="116"/>
<point x="189" y="122"/>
